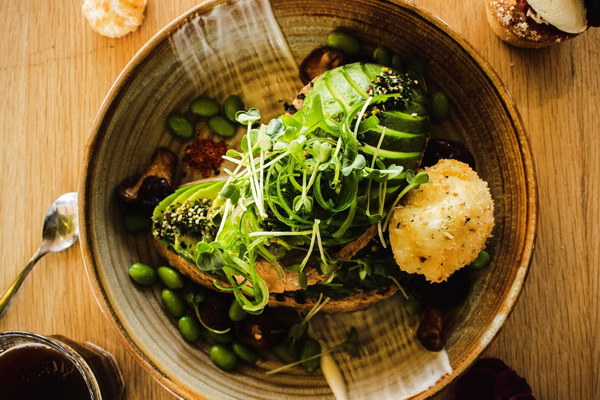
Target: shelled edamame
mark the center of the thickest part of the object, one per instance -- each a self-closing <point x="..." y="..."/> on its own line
<point x="186" y="302"/>
<point x="343" y="42"/>
<point x="220" y="119"/>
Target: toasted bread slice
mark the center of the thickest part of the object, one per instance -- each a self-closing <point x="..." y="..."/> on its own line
<point x="292" y="298"/>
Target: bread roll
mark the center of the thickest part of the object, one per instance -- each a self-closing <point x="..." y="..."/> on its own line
<point x="517" y="23"/>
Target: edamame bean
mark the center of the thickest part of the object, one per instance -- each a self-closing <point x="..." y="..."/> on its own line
<point x="204" y="107"/>
<point x="142" y="274"/>
<point x="286" y="351"/>
<point x="383" y="55"/>
<point x="244" y="352"/>
<point x="310" y="348"/>
<point x="414" y="62"/>
<point x="236" y="312"/>
<point x="482" y="261"/>
<point x="190" y="328"/>
<point x="221" y="126"/>
<point x="343" y="42"/>
<point x="173" y="303"/>
<point x="439" y="106"/>
<point x="180" y="126"/>
<point x="222" y="356"/>
<point x="397" y="63"/>
<point x="413" y="306"/>
<point x="136" y="221"/>
<point x="170" y="277"/>
<point x="231" y="105"/>
<point x="226" y="337"/>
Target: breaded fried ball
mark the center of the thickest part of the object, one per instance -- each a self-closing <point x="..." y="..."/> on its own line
<point x="444" y="224"/>
<point x="114" y="18"/>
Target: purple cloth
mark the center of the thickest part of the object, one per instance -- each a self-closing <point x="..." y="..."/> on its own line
<point x="491" y="379"/>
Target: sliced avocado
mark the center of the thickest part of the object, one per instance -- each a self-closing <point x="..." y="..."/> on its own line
<point x="404" y="122"/>
<point x="342" y="87"/>
<point x="182" y="243"/>
<point x="206" y="190"/>
<point x="395" y="140"/>
<point x="371" y="70"/>
<point x="339" y="88"/>
<point x="172" y="198"/>
<point x="408" y="160"/>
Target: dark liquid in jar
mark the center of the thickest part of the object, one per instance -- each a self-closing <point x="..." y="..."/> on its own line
<point x="38" y="372"/>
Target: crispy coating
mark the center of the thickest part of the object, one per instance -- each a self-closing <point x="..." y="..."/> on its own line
<point x="443" y="225"/>
<point x="114" y="18"/>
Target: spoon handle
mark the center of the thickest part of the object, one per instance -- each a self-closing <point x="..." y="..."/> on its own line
<point x="8" y="295"/>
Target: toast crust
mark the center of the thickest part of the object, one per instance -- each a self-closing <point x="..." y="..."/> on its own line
<point x="357" y="301"/>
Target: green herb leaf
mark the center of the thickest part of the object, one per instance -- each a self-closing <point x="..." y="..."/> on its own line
<point x="248" y="117"/>
<point x="210" y="256"/>
<point x="264" y="142"/>
<point x="293" y="268"/>
<point x="359" y="163"/>
<point x="350" y="346"/>
<point x="364" y="271"/>
<point x="275" y="128"/>
<point x="303" y="203"/>
<point x="328" y="267"/>
<point x="228" y="190"/>
<point x="298" y="331"/>
<point x="322" y="152"/>
<point x="375" y="218"/>
<point x="421" y="178"/>
<point x="233" y="153"/>
<point x="368" y="124"/>
<point x="303" y="280"/>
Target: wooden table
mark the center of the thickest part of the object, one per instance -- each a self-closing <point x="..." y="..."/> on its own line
<point x="55" y="71"/>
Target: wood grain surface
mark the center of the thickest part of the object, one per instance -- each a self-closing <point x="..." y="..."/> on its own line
<point x="55" y="72"/>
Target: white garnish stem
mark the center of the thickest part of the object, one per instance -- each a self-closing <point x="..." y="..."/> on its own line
<point x="225" y="215"/>
<point x="334" y="377"/>
<point x="312" y="242"/>
<point x="361" y="114"/>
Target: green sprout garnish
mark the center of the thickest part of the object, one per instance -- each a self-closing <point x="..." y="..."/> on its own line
<point x="350" y="346"/>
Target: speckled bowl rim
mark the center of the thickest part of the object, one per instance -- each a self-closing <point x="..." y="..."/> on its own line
<point x="87" y="245"/>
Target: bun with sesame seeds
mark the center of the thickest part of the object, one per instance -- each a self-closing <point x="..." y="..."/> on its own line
<point x="533" y="24"/>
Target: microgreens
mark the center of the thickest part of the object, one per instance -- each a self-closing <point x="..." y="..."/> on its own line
<point x="195" y="300"/>
<point x="350" y="346"/>
<point x="300" y="183"/>
<point x="298" y="330"/>
<point x="304" y="184"/>
<point x="210" y="256"/>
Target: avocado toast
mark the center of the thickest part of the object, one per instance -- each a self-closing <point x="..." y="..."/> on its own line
<point x="303" y="213"/>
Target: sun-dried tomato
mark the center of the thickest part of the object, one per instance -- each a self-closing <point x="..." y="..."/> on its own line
<point x="205" y="155"/>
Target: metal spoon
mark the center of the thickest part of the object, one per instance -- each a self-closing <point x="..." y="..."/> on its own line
<point x="60" y="231"/>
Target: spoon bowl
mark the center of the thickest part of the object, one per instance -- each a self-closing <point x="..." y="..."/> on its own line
<point x="61" y="228"/>
<point x="59" y="232"/>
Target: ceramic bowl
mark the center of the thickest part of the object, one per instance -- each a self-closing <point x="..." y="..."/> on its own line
<point x="189" y="58"/>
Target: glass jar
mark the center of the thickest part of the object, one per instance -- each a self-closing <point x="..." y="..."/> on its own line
<point x="55" y="367"/>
